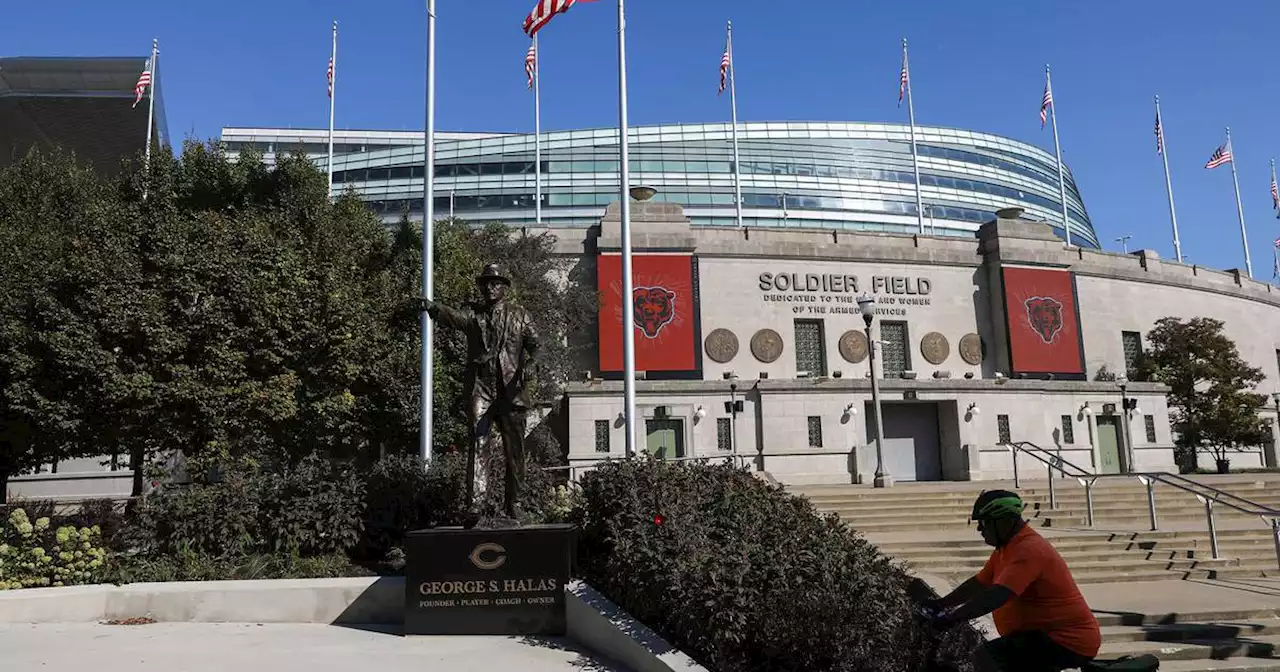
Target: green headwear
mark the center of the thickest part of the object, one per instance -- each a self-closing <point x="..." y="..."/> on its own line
<point x="997" y="504"/>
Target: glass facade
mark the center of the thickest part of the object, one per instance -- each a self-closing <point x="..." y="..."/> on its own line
<point x="793" y="174"/>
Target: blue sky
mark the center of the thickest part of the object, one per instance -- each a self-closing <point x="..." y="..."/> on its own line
<point x="976" y="65"/>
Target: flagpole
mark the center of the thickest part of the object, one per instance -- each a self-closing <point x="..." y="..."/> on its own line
<point x="915" y="155"/>
<point x="537" y="129"/>
<point x="151" y="102"/>
<point x="1244" y="235"/>
<point x="333" y="84"/>
<point x="733" y="104"/>
<point x="628" y="299"/>
<point x="1168" y="183"/>
<point x="428" y="252"/>
<point x="1062" y="181"/>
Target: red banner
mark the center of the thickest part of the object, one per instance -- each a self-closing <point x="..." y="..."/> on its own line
<point x="1043" y="319"/>
<point x="667" y="337"/>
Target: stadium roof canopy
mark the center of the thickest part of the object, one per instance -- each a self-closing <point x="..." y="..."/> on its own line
<point x="81" y="104"/>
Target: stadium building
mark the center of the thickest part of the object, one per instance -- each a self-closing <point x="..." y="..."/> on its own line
<point x="84" y="105"/>
<point x="841" y="176"/>
<point x="986" y="329"/>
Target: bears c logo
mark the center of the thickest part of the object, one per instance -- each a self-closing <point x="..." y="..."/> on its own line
<point x="655" y="308"/>
<point x="1044" y="314"/>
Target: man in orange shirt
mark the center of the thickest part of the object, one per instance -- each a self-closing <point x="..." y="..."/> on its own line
<point x="1044" y="623"/>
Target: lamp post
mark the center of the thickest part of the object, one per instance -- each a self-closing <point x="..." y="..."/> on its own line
<point x="1275" y="442"/>
<point x="735" y="407"/>
<point x="867" y="306"/>
<point x="1128" y="408"/>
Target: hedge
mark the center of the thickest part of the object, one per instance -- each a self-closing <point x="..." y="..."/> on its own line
<point x="742" y="576"/>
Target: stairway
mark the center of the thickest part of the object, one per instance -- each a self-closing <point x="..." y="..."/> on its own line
<point x="926" y="526"/>
<point x="1243" y="640"/>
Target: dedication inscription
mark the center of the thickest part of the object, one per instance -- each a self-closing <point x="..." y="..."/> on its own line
<point x="836" y="293"/>
<point x="488" y="582"/>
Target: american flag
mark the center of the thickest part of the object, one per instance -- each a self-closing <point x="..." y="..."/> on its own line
<point x="1159" y="135"/>
<point x="903" y="77"/>
<point x="330" y="76"/>
<point x="531" y="63"/>
<point x="144" y="80"/>
<point x="1220" y="156"/>
<point x="1277" y="243"/>
<point x="1046" y="102"/>
<point x="726" y="61"/>
<point x="544" y="11"/>
<point x="1275" y="191"/>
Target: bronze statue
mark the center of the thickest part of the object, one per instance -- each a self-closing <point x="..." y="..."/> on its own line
<point x="501" y="342"/>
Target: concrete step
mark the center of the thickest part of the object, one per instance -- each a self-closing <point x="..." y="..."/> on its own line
<point x="1264" y="647"/>
<point x="1154" y="618"/>
<point x="1227" y="665"/>
<point x="1182" y="632"/>
<point x="1078" y="568"/>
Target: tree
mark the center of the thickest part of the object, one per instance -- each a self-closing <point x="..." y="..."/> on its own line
<point x="57" y="255"/>
<point x="231" y="310"/>
<point x="1211" y="399"/>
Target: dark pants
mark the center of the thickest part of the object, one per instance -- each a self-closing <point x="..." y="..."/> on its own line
<point x="510" y="422"/>
<point x="1030" y="651"/>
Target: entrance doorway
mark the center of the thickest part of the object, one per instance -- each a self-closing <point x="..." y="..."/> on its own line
<point x="665" y="437"/>
<point x="912" y="449"/>
<point x="1109" y="444"/>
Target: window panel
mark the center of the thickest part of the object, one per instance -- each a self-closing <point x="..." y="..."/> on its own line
<point x="724" y="434"/>
<point x="896" y="353"/>
<point x="810" y="355"/>
<point x="1002" y="429"/>
<point x="815" y="431"/>
<point x="1150" y="421"/>
<point x="1132" y="342"/>
<point x="1068" y="430"/>
<point x="602" y="436"/>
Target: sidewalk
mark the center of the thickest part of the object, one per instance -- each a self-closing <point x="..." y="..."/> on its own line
<point x="217" y="647"/>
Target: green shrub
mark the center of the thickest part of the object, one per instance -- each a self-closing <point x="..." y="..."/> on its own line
<point x="105" y="514"/>
<point x="311" y="509"/>
<point x="37" y="554"/>
<point x="401" y="495"/>
<point x="185" y="564"/>
<point x="742" y="576"/>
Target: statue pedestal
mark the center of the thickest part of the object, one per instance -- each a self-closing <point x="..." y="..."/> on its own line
<point x="506" y="581"/>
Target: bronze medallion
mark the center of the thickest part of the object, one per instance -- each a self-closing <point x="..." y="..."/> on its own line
<point x="935" y="348"/>
<point x="971" y="349"/>
<point x="721" y="345"/>
<point x="766" y="345"/>
<point x="853" y="346"/>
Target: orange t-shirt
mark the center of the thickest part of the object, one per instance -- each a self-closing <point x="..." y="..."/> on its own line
<point x="1047" y="598"/>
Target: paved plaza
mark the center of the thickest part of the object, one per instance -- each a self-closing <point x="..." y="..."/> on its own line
<point x="218" y="647"/>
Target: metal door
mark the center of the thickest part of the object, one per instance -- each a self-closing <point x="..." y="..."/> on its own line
<point x="912" y="445"/>
<point x="665" y="437"/>
<point x="1108" y="444"/>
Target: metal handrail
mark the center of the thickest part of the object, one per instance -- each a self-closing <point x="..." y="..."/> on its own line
<point x="1206" y="494"/>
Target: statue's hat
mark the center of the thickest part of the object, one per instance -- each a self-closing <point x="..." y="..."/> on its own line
<point x="492" y="272"/>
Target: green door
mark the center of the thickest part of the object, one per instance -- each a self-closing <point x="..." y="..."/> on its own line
<point x="665" y="437"/>
<point x="1108" y="444"/>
